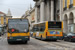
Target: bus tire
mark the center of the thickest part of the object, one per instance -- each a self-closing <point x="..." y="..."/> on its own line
<point x="25" y="42"/>
<point x="35" y="36"/>
<point x="9" y="42"/>
<point x="55" y="40"/>
<point x="42" y="38"/>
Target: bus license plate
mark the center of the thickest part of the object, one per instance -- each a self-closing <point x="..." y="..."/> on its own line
<point x="54" y="36"/>
<point x="19" y="39"/>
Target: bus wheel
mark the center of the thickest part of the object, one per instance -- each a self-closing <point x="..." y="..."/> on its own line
<point x="35" y="36"/>
<point x="9" y="42"/>
<point x="55" y="40"/>
<point x="25" y="42"/>
<point x="42" y="38"/>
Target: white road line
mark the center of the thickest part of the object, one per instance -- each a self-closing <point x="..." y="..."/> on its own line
<point x="23" y="48"/>
<point x="69" y="43"/>
<point x="0" y="38"/>
<point x="63" y="45"/>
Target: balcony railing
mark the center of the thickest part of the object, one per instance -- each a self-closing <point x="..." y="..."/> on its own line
<point x="65" y="8"/>
<point x="70" y="6"/>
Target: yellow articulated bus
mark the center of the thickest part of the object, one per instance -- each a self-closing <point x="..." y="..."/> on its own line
<point x="18" y="30"/>
<point x="49" y="30"/>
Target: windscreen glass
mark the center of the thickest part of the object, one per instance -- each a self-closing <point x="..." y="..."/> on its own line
<point x="18" y="25"/>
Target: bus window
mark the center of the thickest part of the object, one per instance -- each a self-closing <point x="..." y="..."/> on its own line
<point x="53" y="25"/>
<point x="35" y="28"/>
<point x="42" y="27"/>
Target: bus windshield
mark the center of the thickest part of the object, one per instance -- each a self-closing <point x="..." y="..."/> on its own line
<point x="18" y="25"/>
<point x="54" y="25"/>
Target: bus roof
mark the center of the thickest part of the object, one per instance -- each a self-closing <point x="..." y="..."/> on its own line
<point x="17" y="18"/>
<point x="40" y="22"/>
<point x="45" y="21"/>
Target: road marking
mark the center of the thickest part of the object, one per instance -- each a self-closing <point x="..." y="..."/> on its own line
<point x="60" y="44"/>
<point x="69" y="43"/>
<point x="23" y="48"/>
<point x="66" y="48"/>
<point x="0" y="38"/>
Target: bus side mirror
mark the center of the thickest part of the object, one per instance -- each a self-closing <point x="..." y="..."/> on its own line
<point x="29" y="25"/>
<point x="7" y="25"/>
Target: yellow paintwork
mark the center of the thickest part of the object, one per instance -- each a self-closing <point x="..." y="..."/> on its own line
<point x="48" y="33"/>
<point x="7" y="20"/>
<point x="2" y="20"/>
<point x="73" y="2"/>
<point x="63" y="3"/>
<point x="68" y="3"/>
<point x="18" y="34"/>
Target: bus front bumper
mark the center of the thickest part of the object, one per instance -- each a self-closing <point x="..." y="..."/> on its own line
<point x="53" y="37"/>
<point x="19" y="38"/>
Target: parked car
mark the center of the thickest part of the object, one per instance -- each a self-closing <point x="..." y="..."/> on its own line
<point x="64" y="34"/>
<point x="69" y="37"/>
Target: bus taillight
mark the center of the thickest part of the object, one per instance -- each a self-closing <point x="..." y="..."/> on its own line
<point x="8" y="37"/>
<point x="56" y="32"/>
<point x="46" y="33"/>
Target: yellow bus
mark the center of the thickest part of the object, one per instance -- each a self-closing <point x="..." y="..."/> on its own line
<point x="49" y="30"/>
<point x="18" y="30"/>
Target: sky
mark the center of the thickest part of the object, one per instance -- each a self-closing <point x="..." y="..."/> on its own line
<point x="17" y="7"/>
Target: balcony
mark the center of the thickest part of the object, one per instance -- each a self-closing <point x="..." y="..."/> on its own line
<point x="70" y="6"/>
<point x="35" y="0"/>
<point x="65" y="8"/>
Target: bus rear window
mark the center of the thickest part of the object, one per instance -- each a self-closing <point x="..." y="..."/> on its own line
<point x="54" y="25"/>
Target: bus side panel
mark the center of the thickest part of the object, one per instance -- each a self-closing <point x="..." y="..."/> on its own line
<point x="34" y="34"/>
<point x="46" y="29"/>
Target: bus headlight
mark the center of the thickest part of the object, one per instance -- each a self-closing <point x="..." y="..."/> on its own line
<point x="11" y="37"/>
<point x="26" y="37"/>
<point x="25" y="30"/>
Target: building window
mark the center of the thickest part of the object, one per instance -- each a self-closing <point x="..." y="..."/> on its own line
<point x="65" y="3"/>
<point x="71" y="1"/>
<point x="0" y="21"/>
<point x="71" y="4"/>
<point x="65" y="8"/>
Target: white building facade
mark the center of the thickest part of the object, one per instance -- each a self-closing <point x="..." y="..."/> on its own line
<point x="48" y="10"/>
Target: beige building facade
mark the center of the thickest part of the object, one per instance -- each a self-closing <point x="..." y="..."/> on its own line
<point x="30" y="15"/>
<point x="69" y="15"/>
<point x="4" y="18"/>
